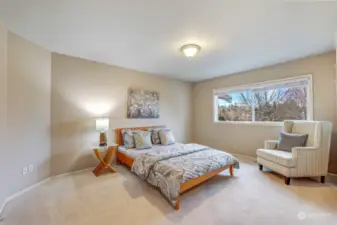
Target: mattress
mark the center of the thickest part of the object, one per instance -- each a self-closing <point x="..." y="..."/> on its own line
<point x="134" y="153"/>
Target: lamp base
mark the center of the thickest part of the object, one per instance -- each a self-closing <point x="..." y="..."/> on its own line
<point x="102" y="139"/>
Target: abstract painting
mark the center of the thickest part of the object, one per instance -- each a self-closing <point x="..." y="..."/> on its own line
<point x="143" y="104"/>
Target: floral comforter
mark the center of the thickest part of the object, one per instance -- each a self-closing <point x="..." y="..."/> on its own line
<point x="168" y="168"/>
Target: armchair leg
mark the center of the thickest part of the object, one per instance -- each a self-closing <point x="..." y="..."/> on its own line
<point x="322" y="179"/>
<point x="260" y="167"/>
<point x="287" y="180"/>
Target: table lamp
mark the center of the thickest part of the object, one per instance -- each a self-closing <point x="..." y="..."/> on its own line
<point x="102" y="126"/>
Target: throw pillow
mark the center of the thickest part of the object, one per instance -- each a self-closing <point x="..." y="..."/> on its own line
<point x="290" y="140"/>
<point x="142" y="139"/>
<point x="166" y="137"/>
<point x="155" y="135"/>
<point x="128" y="139"/>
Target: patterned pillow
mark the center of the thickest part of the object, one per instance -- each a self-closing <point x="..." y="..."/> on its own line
<point x="128" y="139"/>
<point x="166" y="137"/>
<point x="155" y="135"/>
<point x="142" y="139"/>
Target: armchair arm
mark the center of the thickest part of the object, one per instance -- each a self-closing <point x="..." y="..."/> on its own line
<point x="310" y="161"/>
<point x="311" y="148"/>
<point x="304" y="151"/>
<point x="271" y="144"/>
<point x="306" y="157"/>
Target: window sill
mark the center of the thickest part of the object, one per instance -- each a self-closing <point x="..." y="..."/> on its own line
<point x="273" y="124"/>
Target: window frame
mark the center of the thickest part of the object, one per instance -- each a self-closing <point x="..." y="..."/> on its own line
<point x="253" y="86"/>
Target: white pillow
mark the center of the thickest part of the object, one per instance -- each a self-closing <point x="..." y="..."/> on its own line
<point x="166" y="137"/>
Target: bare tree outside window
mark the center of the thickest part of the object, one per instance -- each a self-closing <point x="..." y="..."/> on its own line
<point x="235" y="106"/>
<point x="274" y="104"/>
<point x="281" y="104"/>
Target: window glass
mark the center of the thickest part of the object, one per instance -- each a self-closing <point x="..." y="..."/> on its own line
<point x="280" y="104"/>
<point x="274" y="101"/>
<point x="235" y="106"/>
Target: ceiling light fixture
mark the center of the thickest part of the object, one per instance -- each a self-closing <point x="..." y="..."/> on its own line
<point x="190" y="50"/>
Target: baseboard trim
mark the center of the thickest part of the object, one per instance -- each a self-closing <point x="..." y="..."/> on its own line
<point x="10" y="198"/>
<point x="2" y="209"/>
<point x="251" y="158"/>
<point x="71" y="173"/>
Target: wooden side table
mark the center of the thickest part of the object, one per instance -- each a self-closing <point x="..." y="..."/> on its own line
<point x="105" y="163"/>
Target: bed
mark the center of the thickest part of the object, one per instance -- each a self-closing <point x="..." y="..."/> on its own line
<point x="161" y="165"/>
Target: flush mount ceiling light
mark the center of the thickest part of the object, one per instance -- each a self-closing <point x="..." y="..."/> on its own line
<point x="190" y="50"/>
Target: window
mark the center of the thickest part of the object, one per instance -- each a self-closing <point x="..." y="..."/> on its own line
<point x="273" y="101"/>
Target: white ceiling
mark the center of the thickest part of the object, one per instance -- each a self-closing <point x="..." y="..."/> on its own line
<point x="146" y="35"/>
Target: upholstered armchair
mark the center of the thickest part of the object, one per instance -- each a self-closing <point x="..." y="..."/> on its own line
<point x="309" y="161"/>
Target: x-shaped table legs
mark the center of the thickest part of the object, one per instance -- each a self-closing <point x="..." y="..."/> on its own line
<point x="105" y="162"/>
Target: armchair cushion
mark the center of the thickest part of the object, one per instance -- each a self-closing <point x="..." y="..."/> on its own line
<point x="291" y="140"/>
<point x="283" y="158"/>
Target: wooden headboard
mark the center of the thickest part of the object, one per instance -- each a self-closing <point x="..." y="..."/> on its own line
<point x="119" y="136"/>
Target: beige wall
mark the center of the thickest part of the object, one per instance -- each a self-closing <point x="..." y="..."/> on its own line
<point x="29" y="91"/>
<point x="27" y="102"/>
<point x="84" y="90"/>
<point x="3" y="110"/>
<point x="245" y="139"/>
<point x="333" y="156"/>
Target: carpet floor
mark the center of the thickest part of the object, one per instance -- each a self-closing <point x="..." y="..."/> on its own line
<point x="251" y="197"/>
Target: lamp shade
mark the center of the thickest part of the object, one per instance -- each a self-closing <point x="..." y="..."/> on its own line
<point x="102" y="124"/>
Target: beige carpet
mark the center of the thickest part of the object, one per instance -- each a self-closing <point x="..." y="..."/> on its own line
<point x="252" y="197"/>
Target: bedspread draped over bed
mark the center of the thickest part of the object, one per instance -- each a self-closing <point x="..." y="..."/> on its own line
<point x="169" y="168"/>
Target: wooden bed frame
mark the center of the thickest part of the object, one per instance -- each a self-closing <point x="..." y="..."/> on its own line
<point x="127" y="161"/>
